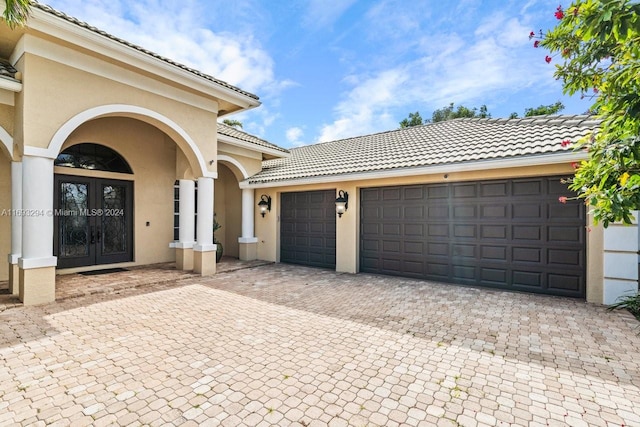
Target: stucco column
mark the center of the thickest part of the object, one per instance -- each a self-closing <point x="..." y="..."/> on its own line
<point x="37" y="265"/>
<point x="347" y="232"/>
<point x="186" y="225"/>
<point x="16" y="227"/>
<point x="204" y="251"/>
<point x="248" y="243"/>
<point x="620" y="261"/>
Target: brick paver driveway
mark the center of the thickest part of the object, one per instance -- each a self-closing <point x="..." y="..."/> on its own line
<point x="284" y="345"/>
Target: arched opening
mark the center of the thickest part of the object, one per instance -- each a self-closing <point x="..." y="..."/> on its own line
<point x="93" y="222"/>
<point x="90" y="156"/>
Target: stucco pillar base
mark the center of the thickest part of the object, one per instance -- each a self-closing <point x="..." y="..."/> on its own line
<point x="14" y="279"/>
<point x="184" y="258"/>
<point x="248" y="248"/>
<point x="37" y="285"/>
<point x="204" y="261"/>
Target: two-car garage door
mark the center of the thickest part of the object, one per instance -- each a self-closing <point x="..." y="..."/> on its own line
<point x="510" y="234"/>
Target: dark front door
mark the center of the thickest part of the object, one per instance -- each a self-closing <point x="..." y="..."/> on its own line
<point x="93" y="221"/>
<point x="308" y="228"/>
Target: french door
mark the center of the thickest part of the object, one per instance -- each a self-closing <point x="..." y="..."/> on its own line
<point x="93" y="221"/>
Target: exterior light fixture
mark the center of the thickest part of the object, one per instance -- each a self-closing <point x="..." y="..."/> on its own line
<point x="342" y="202"/>
<point x="264" y="204"/>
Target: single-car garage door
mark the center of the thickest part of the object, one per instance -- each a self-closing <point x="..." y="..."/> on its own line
<point x="510" y="234"/>
<point x="308" y="228"/>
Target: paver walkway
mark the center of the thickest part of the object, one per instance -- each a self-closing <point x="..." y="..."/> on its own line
<point x="286" y="345"/>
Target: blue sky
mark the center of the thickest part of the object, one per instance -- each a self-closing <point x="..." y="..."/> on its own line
<point x="331" y="69"/>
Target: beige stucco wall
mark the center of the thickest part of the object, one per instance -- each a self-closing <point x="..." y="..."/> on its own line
<point x="152" y="157"/>
<point x="347" y="237"/>
<point x="54" y="93"/>
<point x="228" y="209"/>
<point x="5" y="218"/>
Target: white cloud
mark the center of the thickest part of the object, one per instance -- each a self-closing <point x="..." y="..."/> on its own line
<point x="321" y="14"/>
<point x="493" y="61"/>
<point x="293" y="136"/>
<point x="178" y="31"/>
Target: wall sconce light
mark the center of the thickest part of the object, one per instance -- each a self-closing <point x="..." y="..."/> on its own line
<point x="342" y="202"/>
<point x="264" y="204"/>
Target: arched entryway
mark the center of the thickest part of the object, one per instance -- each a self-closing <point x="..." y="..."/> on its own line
<point x="93" y="221"/>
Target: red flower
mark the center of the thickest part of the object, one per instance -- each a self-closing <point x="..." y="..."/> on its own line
<point x="565" y="143"/>
<point x="575" y="165"/>
<point x="531" y="35"/>
<point x="562" y="199"/>
<point x="536" y="43"/>
<point x="547" y="59"/>
<point x="595" y="90"/>
<point x="559" y="13"/>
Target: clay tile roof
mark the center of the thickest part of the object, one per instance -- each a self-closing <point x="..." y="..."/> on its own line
<point x="85" y="25"/>
<point x="450" y="142"/>
<point x="7" y="71"/>
<point x="243" y="136"/>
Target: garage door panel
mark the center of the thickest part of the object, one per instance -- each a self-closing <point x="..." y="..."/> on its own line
<point x="524" y="255"/>
<point x="493" y="189"/>
<point x="413" y="212"/>
<point x="526" y="232"/>
<point x="527" y="211"/>
<point x="565" y="257"/>
<point x="464" y="212"/>
<point x="563" y="282"/>
<point x="413" y="230"/>
<point x="414" y="193"/>
<point x="465" y="251"/>
<point x="563" y="234"/>
<point x="391" y="212"/>
<point x="494" y="276"/>
<point x="464" y="231"/>
<point x="438" y="249"/>
<point x="438" y="230"/>
<point x="493" y="253"/>
<point x="530" y="279"/>
<point x="307" y="228"/>
<point x="493" y="232"/>
<point x="438" y="212"/>
<point x="510" y="234"/>
<point x="414" y="248"/>
<point x="494" y="211"/>
<point x="438" y="192"/>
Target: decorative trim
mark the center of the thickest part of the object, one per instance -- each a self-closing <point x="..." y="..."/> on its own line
<point x="32" y="263"/>
<point x="234" y="162"/>
<point x="426" y="170"/>
<point x="72" y="33"/>
<point x="11" y="85"/>
<point x="205" y="248"/>
<point x="7" y="141"/>
<point x="14" y="258"/>
<point x="247" y="240"/>
<point x="251" y="146"/>
<point x="72" y="124"/>
<point x="183" y="245"/>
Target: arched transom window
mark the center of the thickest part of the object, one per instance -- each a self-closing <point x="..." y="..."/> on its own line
<point x="92" y="157"/>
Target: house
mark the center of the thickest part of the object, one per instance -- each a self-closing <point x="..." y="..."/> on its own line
<point x="102" y="141"/>
<point x="466" y="201"/>
<point x="111" y="155"/>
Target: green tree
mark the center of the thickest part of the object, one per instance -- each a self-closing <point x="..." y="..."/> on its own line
<point x="597" y="43"/>
<point x="449" y="113"/>
<point x="544" y="109"/>
<point x="233" y="123"/>
<point x="414" y="119"/>
<point x="16" y="12"/>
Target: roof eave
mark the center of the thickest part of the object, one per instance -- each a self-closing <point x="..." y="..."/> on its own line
<point x="253" y="147"/>
<point x="58" y="27"/>
<point x="471" y="166"/>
